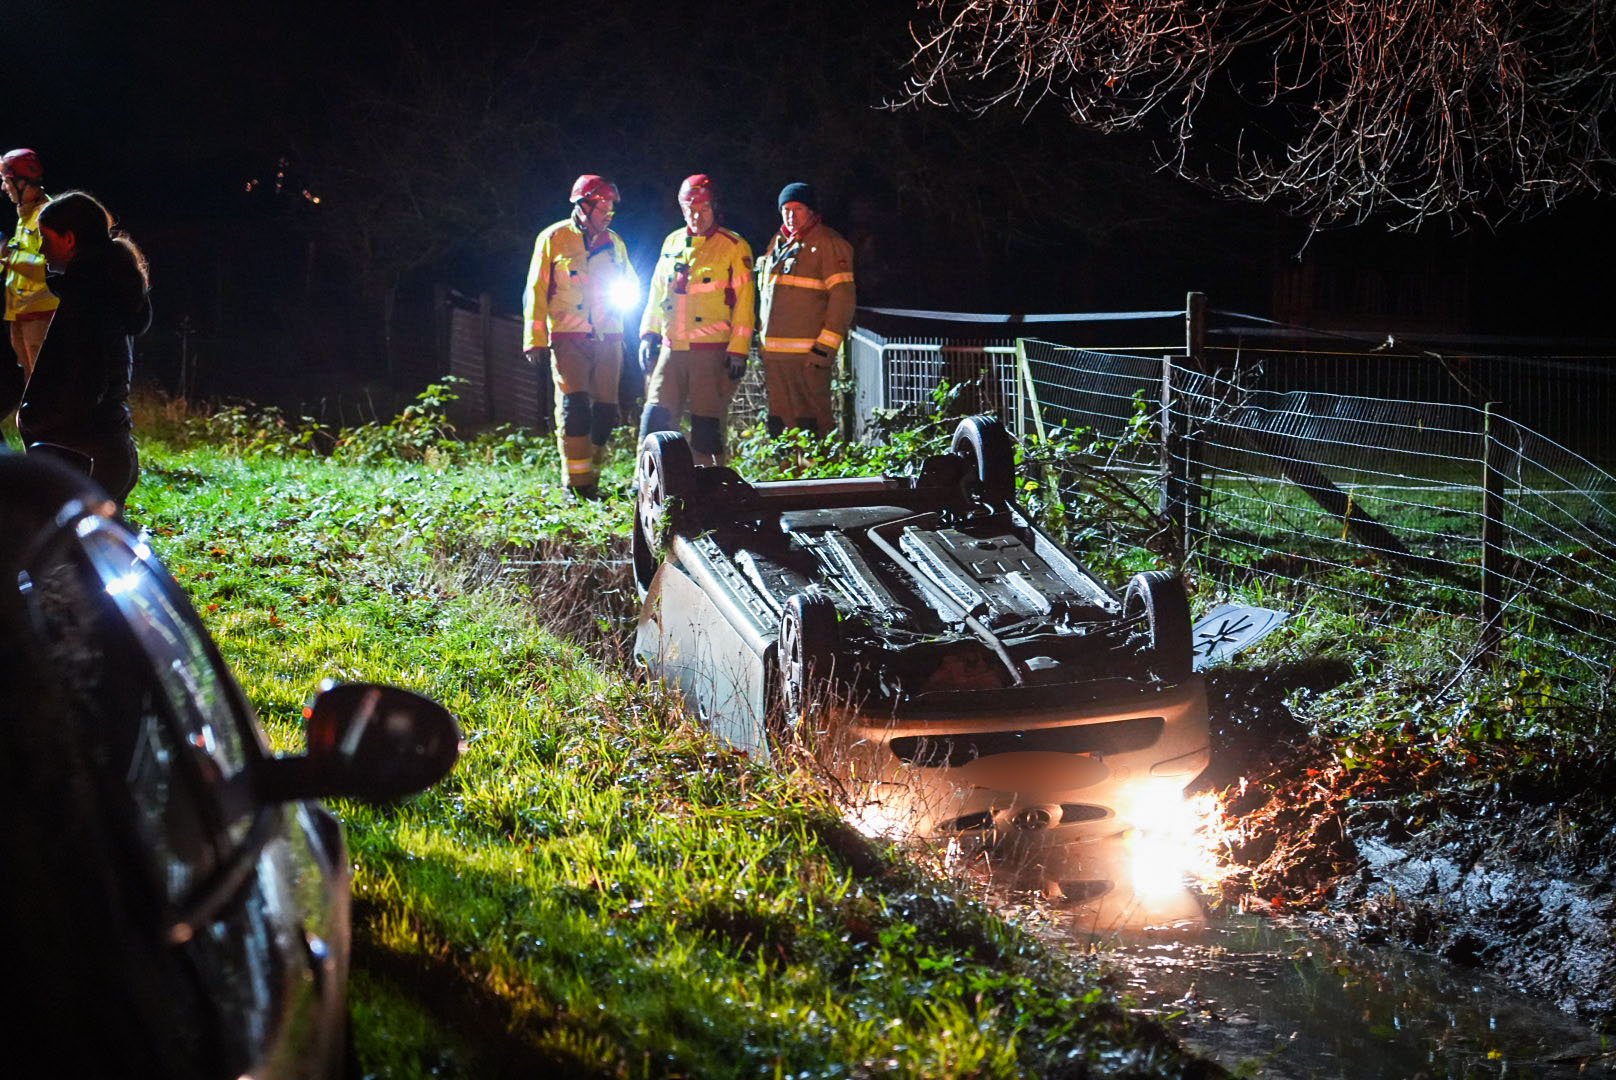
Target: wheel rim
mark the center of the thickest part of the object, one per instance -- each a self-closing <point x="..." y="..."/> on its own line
<point x="664" y="483"/>
<point x="651" y="495"/>
<point x="793" y="668"/>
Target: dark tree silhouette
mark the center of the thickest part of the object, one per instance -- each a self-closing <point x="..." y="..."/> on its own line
<point x="1339" y="111"/>
<point x="453" y="141"/>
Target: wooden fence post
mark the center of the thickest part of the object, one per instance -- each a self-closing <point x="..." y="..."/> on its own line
<point x="1492" y="536"/>
<point x="1195" y="330"/>
<point x="1030" y="413"/>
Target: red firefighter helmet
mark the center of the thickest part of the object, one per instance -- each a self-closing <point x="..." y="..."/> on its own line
<point x="696" y="189"/>
<point x="590" y="186"/>
<point x="24" y="163"/>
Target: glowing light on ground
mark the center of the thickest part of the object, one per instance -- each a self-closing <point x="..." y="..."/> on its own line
<point x="875" y="821"/>
<point x="1173" y="842"/>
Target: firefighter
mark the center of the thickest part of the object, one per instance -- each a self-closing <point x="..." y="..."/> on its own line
<point x="578" y="287"/>
<point x="805" y="279"/>
<point x="697" y="328"/>
<point x="29" y="304"/>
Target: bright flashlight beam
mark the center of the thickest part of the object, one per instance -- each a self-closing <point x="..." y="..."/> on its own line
<point x="624" y="295"/>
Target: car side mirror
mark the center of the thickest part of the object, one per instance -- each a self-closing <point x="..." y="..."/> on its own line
<point x="367" y="741"/>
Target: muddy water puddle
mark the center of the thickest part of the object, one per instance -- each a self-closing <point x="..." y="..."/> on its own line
<point x="1267" y="998"/>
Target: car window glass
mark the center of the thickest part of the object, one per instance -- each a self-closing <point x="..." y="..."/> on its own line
<point x="174" y="641"/>
<point x="115" y="695"/>
<point x="169" y="812"/>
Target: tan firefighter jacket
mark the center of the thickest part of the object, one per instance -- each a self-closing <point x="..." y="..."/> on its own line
<point x="702" y="296"/>
<point x="570" y="289"/>
<point x="807" y="292"/>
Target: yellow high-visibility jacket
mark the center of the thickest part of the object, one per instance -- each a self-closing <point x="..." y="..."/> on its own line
<point x="807" y="291"/>
<point x="702" y="295"/>
<point x="570" y="287"/>
<point x="26" y="293"/>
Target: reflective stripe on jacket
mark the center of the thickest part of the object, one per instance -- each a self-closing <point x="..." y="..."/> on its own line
<point x="702" y="295"/>
<point x="807" y="291"/>
<point x="26" y="293"/>
<point x="569" y="288"/>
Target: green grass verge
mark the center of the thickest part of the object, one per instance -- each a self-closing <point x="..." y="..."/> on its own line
<point x="599" y="888"/>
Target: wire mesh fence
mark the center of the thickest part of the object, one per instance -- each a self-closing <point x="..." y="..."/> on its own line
<point x="1422" y="513"/>
<point x="1572" y="396"/>
<point x="1082" y="389"/>
<point x="895" y="372"/>
<point x="1443" y="512"/>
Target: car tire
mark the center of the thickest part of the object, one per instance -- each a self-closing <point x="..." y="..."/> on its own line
<point x="806" y="655"/>
<point x="990" y="455"/>
<point x="663" y="480"/>
<point x="1159" y="598"/>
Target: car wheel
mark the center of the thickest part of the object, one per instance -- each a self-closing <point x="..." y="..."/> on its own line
<point x="806" y="653"/>
<point x="1158" y="597"/>
<point x="663" y="480"/>
<point x="990" y="455"/>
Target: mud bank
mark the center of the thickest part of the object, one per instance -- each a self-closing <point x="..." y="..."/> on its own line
<point x="1394" y="844"/>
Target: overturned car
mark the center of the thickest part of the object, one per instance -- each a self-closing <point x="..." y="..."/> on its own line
<point x="957" y="671"/>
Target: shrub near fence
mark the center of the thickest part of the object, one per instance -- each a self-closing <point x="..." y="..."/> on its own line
<point x="1443" y="514"/>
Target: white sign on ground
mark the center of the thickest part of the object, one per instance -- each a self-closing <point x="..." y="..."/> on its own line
<point x="1228" y="628"/>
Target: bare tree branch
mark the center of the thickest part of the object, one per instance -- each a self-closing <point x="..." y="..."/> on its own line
<point x="1338" y="111"/>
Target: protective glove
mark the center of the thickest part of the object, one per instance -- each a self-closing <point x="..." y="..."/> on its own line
<point x="820" y="350"/>
<point x="737" y="364"/>
<point x="650" y="346"/>
<point x="537" y="356"/>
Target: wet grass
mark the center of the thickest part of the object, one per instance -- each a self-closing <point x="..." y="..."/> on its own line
<point x="601" y="890"/>
<point x="598" y="889"/>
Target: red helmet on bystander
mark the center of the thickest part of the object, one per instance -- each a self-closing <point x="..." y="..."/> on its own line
<point x="590" y="186"/>
<point x="24" y="163"/>
<point x="697" y="188"/>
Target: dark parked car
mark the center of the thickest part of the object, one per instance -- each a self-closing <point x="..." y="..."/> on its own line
<point x="176" y="902"/>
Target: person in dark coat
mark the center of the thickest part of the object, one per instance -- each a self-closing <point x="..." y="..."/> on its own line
<point x="76" y="403"/>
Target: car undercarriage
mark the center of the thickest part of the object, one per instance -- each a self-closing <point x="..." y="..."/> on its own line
<point x="955" y="670"/>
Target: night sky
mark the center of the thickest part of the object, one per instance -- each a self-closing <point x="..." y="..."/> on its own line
<point x="440" y="138"/>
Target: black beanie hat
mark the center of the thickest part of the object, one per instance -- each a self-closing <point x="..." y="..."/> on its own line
<point x="799" y="192"/>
